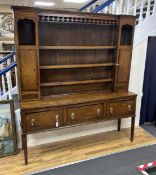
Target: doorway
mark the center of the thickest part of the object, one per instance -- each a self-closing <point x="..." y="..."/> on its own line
<point x="148" y="105"/>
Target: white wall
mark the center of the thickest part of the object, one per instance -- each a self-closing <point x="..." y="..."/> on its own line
<point x="5" y="9"/>
<point x="137" y="73"/>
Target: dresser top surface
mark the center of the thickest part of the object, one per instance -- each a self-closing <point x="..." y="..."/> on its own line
<point x="70" y="99"/>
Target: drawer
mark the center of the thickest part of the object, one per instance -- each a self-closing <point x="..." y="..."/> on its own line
<point x="121" y="108"/>
<point x="44" y="120"/>
<point x="85" y="114"/>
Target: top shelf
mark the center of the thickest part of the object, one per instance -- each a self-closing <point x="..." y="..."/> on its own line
<point x="76" y="47"/>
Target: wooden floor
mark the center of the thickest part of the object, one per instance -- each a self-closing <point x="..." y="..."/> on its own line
<point x="64" y="152"/>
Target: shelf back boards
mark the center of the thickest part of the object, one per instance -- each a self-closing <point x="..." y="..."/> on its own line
<point x="61" y="52"/>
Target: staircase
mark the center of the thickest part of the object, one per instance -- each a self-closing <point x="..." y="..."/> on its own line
<point x="8" y="77"/>
<point x="144" y="10"/>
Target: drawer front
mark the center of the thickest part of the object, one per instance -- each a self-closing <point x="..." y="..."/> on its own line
<point x="121" y="108"/>
<point x="85" y="114"/>
<point x="44" y="120"/>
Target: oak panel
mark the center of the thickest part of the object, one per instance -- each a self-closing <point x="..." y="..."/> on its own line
<point x="124" y="65"/>
<point x="28" y="70"/>
<point x="84" y="114"/>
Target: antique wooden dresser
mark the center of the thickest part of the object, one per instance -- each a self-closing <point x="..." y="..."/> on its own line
<point x="73" y="69"/>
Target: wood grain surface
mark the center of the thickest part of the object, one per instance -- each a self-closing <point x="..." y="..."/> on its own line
<point x="69" y="151"/>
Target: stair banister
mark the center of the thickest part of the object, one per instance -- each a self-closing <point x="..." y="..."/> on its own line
<point x="154" y="8"/>
<point x="16" y="71"/>
<point x="127" y="7"/>
<point x="7" y="89"/>
<point x="110" y="8"/>
<point x="7" y="71"/>
<point x="87" y="5"/>
<point x="8" y="68"/>
<point x="120" y="6"/>
<point x="102" y="6"/>
<point x="7" y="57"/>
<point x="9" y="84"/>
<point x="114" y="7"/>
<point x="134" y="9"/>
<point x="148" y="8"/>
<point x="141" y="11"/>
<point x="3" y="81"/>
<point x="106" y="9"/>
<point x="117" y="10"/>
<point x="8" y="74"/>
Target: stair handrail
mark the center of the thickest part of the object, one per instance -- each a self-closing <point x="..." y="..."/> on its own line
<point x="102" y="6"/>
<point x="87" y="5"/>
<point x="7" y="57"/>
<point x="8" y="68"/>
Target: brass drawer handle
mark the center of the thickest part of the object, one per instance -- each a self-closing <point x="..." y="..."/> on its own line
<point x="44" y="112"/>
<point x="111" y="110"/>
<point x="98" y="111"/>
<point x="32" y="122"/>
<point x="57" y="121"/>
<point x="72" y="116"/>
<point x="129" y="107"/>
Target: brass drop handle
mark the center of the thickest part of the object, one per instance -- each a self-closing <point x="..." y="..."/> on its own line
<point x="129" y="107"/>
<point x="117" y="64"/>
<point x="57" y="120"/>
<point x="72" y="116"/>
<point x="111" y="110"/>
<point x="98" y="111"/>
<point x="32" y="121"/>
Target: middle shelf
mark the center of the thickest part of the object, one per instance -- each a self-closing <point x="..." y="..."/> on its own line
<point x="77" y="66"/>
<point x="76" y="82"/>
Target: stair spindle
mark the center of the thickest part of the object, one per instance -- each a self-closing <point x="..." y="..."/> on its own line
<point x="3" y="79"/>
<point x="134" y="9"/>
<point x="110" y="8"/>
<point x="141" y="11"/>
<point x="9" y="84"/>
<point x="16" y="72"/>
<point x="154" y="8"/>
<point x="148" y="9"/>
<point x="113" y="7"/>
<point x="127" y="7"/>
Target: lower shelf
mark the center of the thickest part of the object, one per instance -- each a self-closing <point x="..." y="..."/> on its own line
<point x="75" y="82"/>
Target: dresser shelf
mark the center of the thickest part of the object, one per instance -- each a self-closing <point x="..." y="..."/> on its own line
<point x="77" y="66"/>
<point x="75" y="82"/>
<point x="76" y="47"/>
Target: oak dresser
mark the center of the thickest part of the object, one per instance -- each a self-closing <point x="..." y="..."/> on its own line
<point x="73" y="69"/>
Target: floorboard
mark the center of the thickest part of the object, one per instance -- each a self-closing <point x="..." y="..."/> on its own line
<point x="65" y="152"/>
